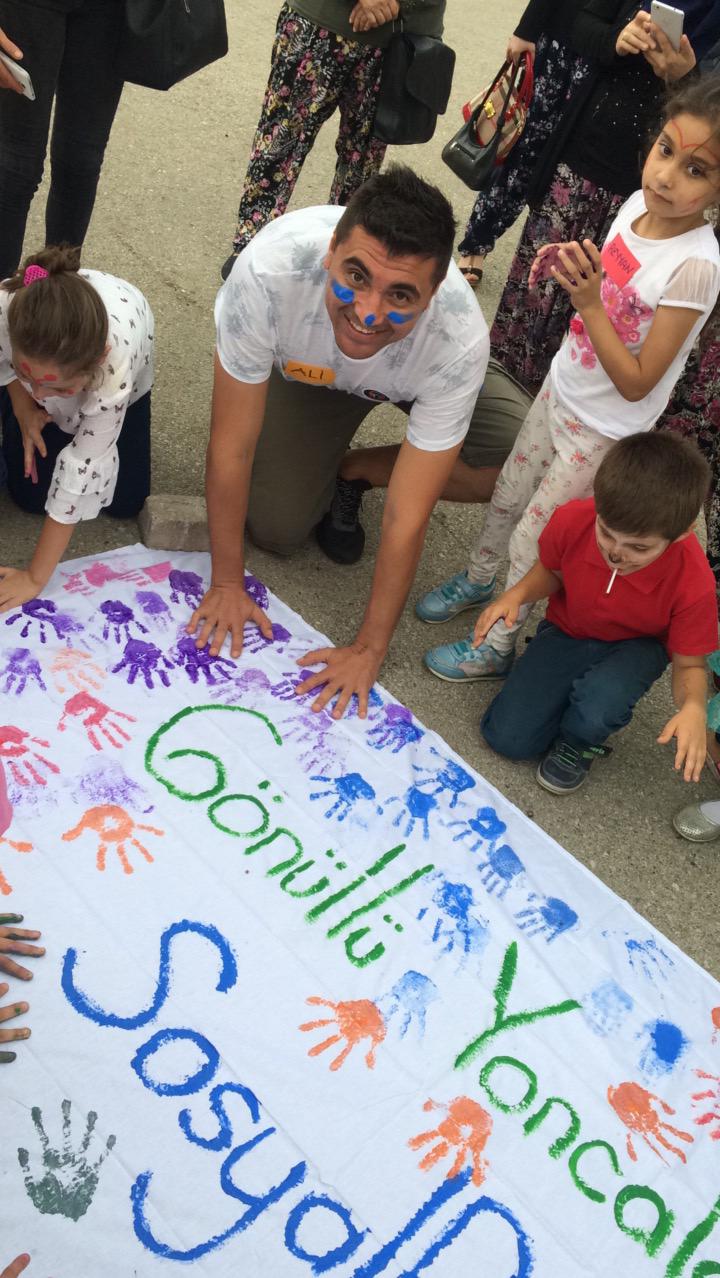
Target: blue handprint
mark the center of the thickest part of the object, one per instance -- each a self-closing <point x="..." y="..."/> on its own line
<point x="549" y="917"/>
<point x="455" y="926"/>
<point x="347" y="790"/>
<point x="185" y="584"/>
<point x="410" y="996"/>
<point x="118" y="621"/>
<point x="44" y="613"/>
<point x="417" y="807"/>
<point x="200" y="661"/>
<point x="20" y="669"/>
<point x="500" y="869"/>
<point x="664" y="1044"/>
<point x="154" y="607"/>
<point x="396" y="730"/>
<point x="606" y="1007"/>
<point x="146" y="660"/>
<point x="374" y="703"/>
<point x="484" y="827"/>
<point x="450" y="776"/>
<point x="648" y="958"/>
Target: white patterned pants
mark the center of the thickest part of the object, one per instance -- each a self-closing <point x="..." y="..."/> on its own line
<point x="554" y="460"/>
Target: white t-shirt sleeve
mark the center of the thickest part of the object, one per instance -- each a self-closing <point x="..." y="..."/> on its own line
<point x="245" y="328"/>
<point x="440" y="416"/>
<point x="693" y="285"/>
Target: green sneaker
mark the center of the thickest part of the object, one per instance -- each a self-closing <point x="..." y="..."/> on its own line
<point x="452" y="597"/>
<point x="461" y="663"/>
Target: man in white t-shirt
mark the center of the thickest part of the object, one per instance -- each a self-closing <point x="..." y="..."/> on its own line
<point x="328" y="312"/>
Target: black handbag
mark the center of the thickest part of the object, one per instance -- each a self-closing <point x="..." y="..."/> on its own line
<point x="415" y="88"/>
<point x="472" y="161"/>
<point x="166" y="40"/>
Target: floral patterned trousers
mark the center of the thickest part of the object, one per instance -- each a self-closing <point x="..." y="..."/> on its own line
<point x="313" y="73"/>
<point x="554" y="460"/>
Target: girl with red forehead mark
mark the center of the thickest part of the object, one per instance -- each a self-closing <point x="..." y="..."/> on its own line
<point x="76" y="364"/>
<point x="640" y="304"/>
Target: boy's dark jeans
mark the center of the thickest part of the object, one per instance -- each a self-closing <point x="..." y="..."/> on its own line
<point x="579" y="689"/>
<point x="72" y="55"/>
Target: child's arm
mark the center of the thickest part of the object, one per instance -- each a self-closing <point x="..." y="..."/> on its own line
<point x="689" y="686"/>
<point x="634" y="376"/>
<point x="538" y="583"/>
<point x="17" y="585"/>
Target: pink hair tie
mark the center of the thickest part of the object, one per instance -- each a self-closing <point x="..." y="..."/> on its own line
<point x="34" y="273"/>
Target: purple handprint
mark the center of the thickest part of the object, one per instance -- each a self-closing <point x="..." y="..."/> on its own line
<point x="249" y="688"/>
<point x="417" y="806"/>
<point x="311" y="730"/>
<point x="255" y="640"/>
<point x="154" y="607"/>
<point x="187" y="584"/>
<point x="450" y="776"/>
<point x="549" y="917"/>
<point x="104" y="781"/>
<point x="347" y="790"/>
<point x="146" y="660"/>
<point x="200" y="661"/>
<point x="45" y="613"/>
<point x="118" y="620"/>
<point x="287" y="685"/>
<point x="396" y="730"/>
<point x="257" y="591"/>
<point x="20" y="669"/>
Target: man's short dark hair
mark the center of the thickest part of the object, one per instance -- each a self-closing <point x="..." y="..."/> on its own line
<point x="406" y="214"/>
<point x="652" y="484"/>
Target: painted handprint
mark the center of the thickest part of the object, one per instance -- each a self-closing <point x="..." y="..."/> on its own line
<point x="501" y="867"/>
<point x="23" y="760"/>
<point x="115" y="829"/>
<point x="66" y="1181"/>
<point x="198" y="662"/>
<point x="257" y="591"/>
<point x="455" y="927"/>
<point x="409" y="999"/>
<point x="464" y="1132"/>
<point x="118" y="620"/>
<point x="97" y="575"/>
<point x="354" y="1022"/>
<point x="6" y="816"/>
<point x="255" y="641"/>
<point x="144" y="660"/>
<point x="549" y="917"/>
<point x="715" y="1019"/>
<point x="21" y="669"/>
<point x="450" y="777"/>
<point x="635" y="1107"/>
<point x="248" y="689"/>
<point x="104" y="780"/>
<point x="98" y="720"/>
<point x="154" y="607"/>
<point x="73" y="668"/>
<point x="345" y="793"/>
<point x="395" y="730"/>
<point x="311" y="731"/>
<point x="185" y="585"/>
<point x="416" y="807"/>
<point x="648" y="958"/>
<point x="708" y="1102"/>
<point x="37" y="615"/>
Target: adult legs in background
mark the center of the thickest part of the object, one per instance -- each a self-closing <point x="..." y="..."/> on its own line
<point x="530" y="325"/>
<point x="359" y="154"/>
<point x="312" y="71"/>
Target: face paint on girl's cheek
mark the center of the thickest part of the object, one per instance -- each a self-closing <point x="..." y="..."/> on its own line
<point x="397" y="317"/>
<point x="369" y="321"/>
<point x="342" y="293"/>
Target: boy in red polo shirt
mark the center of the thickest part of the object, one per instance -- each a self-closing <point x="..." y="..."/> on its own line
<point x="629" y="588"/>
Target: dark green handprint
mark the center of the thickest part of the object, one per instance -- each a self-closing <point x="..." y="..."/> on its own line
<point x="69" y="1182"/>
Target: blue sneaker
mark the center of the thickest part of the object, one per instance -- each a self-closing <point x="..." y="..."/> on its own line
<point x="452" y="597"/>
<point x="565" y="767"/>
<point x="461" y="663"/>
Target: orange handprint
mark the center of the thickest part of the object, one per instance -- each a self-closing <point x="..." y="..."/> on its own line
<point x="97" y="716"/>
<point x="711" y="1114"/>
<point x="113" y="826"/>
<point x="14" y="743"/>
<point x="634" y="1106"/>
<point x="466" y="1127"/>
<point x="72" y="668"/>
<point x="355" y="1021"/>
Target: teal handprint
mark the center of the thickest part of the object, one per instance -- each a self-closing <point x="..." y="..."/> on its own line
<point x="67" y="1186"/>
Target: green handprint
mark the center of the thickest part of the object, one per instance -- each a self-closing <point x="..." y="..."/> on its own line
<point x="69" y="1183"/>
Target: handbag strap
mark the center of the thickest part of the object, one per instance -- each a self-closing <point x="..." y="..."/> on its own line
<point x="527" y="83"/>
<point x="491" y="87"/>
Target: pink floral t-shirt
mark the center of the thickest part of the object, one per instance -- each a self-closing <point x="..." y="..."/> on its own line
<point x="639" y="275"/>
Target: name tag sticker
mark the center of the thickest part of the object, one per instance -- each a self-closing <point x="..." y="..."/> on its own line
<point x="618" y="262"/>
<point x="311" y="374"/>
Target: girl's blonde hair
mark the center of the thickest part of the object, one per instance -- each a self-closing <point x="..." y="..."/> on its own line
<point x="59" y="317"/>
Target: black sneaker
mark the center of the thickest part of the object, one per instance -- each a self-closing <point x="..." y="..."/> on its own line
<point x="340" y="533"/>
<point x="227" y="266"/>
<point x="565" y="767"/>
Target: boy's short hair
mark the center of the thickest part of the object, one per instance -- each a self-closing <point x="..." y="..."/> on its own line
<point x="651" y="484"/>
<point x="406" y="214"/>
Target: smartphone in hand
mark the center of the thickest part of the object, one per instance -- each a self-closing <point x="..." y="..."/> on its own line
<point x="669" y="20"/>
<point x="20" y="74"/>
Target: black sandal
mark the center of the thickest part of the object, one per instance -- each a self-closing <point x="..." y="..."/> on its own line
<point x="467" y="271"/>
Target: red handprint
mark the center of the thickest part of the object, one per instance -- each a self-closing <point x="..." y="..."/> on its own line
<point x="715" y="1018"/>
<point x="14" y="745"/>
<point x="634" y="1106"/>
<point x="355" y="1021"/>
<point x="6" y="816"/>
<point x="113" y="826"/>
<point x="98" y="721"/>
<point x="465" y="1128"/>
<point x="711" y="1114"/>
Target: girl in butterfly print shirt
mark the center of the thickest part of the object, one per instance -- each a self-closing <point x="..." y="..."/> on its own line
<point x="76" y="357"/>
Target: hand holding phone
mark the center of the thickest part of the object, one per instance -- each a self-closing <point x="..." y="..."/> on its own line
<point x="669" y="20"/>
<point x="12" y="75"/>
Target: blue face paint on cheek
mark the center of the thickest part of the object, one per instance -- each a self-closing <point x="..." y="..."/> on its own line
<point x="397" y="317"/>
<point x="342" y="293"/>
<point x="369" y="321"/>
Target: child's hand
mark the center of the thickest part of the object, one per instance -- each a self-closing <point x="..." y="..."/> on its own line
<point x="505" y="608"/>
<point x="16" y="587"/>
<point x="32" y="422"/>
<point x="579" y="272"/>
<point x="545" y="259"/>
<point x="688" y="727"/>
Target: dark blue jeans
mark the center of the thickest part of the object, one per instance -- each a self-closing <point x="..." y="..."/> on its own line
<point x="579" y="689"/>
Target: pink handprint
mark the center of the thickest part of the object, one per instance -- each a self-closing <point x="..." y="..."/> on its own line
<point x="354" y="1021"/>
<point x="711" y="1114"/>
<point x="99" y="720"/>
<point x="15" y="743"/>
<point x="6" y="816"/>
<point x="636" y="1109"/>
<point x="72" y="668"/>
<point x="466" y="1128"/>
